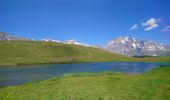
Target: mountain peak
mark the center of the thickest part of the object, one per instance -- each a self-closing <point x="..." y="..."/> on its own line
<point x="50" y="40"/>
<point x="6" y="36"/>
<point x="72" y="41"/>
<point x="75" y="42"/>
<point x="133" y="46"/>
<point x="123" y="40"/>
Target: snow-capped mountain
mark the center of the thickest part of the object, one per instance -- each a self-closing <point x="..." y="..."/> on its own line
<point x="74" y="41"/>
<point x="6" y="36"/>
<point x="122" y="45"/>
<point x="132" y="46"/>
<point x="50" y="40"/>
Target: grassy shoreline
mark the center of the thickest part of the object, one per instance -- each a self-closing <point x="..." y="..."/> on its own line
<point x="153" y="85"/>
<point x="149" y="60"/>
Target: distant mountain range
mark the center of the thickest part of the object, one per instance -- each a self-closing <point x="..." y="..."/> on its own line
<point x="123" y="45"/>
<point x="132" y="46"/>
<point x="6" y="36"/>
<point x="72" y="41"/>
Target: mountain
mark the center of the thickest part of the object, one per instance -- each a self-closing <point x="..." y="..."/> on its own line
<point x="72" y="41"/>
<point x="6" y="36"/>
<point x="123" y="45"/>
<point x="132" y="46"/>
<point x="50" y="40"/>
<point x="39" y="52"/>
<point x="167" y="47"/>
<point x="75" y="42"/>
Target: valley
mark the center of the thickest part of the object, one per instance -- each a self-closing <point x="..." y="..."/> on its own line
<point x="85" y="50"/>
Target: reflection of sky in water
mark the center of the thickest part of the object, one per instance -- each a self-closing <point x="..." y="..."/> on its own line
<point x="13" y="75"/>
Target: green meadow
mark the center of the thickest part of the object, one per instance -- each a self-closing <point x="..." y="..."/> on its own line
<point x="153" y="85"/>
<point x="34" y="52"/>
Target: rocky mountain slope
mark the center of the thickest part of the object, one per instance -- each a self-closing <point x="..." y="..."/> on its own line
<point x="132" y="46"/>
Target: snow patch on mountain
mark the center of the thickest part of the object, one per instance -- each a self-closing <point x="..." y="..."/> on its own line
<point x="50" y="40"/>
<point x="74" y="41"/>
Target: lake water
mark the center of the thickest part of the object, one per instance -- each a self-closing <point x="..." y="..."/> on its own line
<point x="15" y="75"/>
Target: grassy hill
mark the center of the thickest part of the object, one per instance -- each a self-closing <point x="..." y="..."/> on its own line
<point x="154" y="85"/>
<point x="33" y="52"/>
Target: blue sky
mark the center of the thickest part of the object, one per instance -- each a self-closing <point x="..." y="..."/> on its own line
<point x="88" y="21"/>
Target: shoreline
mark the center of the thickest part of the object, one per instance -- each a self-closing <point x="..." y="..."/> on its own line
<point x="20" y="64"/>
<point x="146" y="86"/>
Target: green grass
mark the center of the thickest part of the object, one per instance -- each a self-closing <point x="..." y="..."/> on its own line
<point x="152" y="59"/>
<point x="154" y="85"/>
<point x="33" y="52"/>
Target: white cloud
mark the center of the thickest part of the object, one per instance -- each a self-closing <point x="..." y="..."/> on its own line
<point x="134" y="27"/>
<point x="167" y="28"/>
<point x="150" y="24"/>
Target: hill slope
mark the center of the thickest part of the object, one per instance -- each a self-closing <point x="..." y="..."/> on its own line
<point x="33" y="52"/>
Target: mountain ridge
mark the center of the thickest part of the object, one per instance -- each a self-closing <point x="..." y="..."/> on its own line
<point x="122" y="45"/>
<point x="131" y="46"/>
<point x="7" y="36"/>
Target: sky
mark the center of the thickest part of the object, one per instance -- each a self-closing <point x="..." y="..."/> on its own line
<point x="93" y="22"/>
